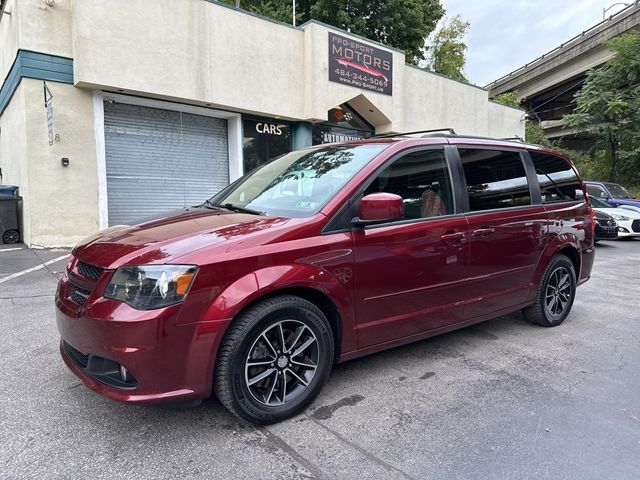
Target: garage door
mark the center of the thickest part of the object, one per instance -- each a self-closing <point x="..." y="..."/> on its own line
<point x="159" y="160"/>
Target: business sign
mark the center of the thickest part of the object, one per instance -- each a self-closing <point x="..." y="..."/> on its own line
<point x="360" y="65"/>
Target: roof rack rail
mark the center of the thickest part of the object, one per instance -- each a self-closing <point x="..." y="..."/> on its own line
<point x="447" y="129"/>
<point x="515" y="138"/>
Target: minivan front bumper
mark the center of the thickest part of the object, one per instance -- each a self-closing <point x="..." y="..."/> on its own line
<point x="165" y="362"/>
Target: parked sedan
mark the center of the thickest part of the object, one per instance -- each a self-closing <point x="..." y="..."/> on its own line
<point x="606" y="227"/>
<point x="628" y="220"/>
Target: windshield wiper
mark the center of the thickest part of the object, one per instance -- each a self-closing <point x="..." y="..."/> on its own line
<point x="209" y="204"/>
<point x="237" y="208"/>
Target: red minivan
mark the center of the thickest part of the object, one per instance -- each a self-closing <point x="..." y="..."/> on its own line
<point x="320" y="256"/>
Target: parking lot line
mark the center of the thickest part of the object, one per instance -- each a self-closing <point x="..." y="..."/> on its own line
<point x="10" y="249"/>
<point x="32" y="269"/>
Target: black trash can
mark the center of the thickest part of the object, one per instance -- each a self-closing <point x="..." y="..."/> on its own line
<point x="9" y="226"/>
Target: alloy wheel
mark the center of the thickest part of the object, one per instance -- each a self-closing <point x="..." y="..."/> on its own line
<point x="281" y="362"/>
<point x="558" y="292"/>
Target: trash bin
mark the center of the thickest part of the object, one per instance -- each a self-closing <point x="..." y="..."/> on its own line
<point x="9" y="226"/>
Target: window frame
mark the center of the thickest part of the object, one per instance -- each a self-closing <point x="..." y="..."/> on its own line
<point x="583" y="186"/>
<point x="529" y="170"/>
<point x="341" y="220"/>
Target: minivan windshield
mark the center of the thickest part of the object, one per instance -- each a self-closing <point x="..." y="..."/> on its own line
<point x="297" y="184"/>
<point x="618" y="191"/>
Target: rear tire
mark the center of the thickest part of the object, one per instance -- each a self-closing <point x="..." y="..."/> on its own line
<point x="274" y="359"/>
<point x="555" y="295"/>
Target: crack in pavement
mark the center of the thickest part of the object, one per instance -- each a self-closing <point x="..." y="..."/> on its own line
<point x="366" y="453"/>
<point x="46" y="266"/>
<point x="314" y="469"/>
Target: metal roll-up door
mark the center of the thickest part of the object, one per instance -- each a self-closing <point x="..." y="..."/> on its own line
<point x="159" y="160"/>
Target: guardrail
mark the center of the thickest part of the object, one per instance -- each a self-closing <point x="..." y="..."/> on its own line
<point x="565" y="44"/>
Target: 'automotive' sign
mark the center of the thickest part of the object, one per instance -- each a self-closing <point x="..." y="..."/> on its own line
<point x="360" y="65"/>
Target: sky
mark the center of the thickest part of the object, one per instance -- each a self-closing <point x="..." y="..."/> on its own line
<point x="506" y="34"/>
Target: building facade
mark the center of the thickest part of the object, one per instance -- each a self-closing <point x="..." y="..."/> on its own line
<point x="111" y="111"/>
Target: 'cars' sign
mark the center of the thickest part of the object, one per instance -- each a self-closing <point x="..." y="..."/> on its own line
<point x="360" y="65"/>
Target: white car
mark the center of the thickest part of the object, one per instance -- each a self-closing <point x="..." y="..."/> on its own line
<point x="628" y="219"/>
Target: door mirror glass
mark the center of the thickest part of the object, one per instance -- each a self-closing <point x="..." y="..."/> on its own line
<point x="380" y="208"/>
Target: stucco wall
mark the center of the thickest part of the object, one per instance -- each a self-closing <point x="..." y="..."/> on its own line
<point x="34" y="26"/>
<point x="199" y="52"/>
<point x="62" y="201"/>
<point x="505" y="121"/>
<point x="9" y="41"/>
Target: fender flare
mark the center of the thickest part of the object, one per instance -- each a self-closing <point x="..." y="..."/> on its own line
<point x="255" y="285"/>
<point x="560" y="242"/>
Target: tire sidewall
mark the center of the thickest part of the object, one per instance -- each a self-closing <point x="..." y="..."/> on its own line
<point x="243" y="398"/>
<point x="558" y="261"/>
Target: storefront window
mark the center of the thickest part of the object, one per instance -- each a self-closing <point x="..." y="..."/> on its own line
<point x="344" y="124"/>
<point x="263" y="141"/>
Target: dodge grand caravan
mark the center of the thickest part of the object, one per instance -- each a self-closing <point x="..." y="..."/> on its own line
<point x="320" y="256"/>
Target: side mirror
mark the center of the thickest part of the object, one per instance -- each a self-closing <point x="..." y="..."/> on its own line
<point x="579" y="194"/>
<point x="379" y="208"/>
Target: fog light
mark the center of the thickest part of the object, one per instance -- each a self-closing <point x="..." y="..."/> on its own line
<point x="123" y="373"/>
<point x="622" y="229"/>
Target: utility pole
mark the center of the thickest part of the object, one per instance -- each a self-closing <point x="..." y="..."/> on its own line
<point x="294" y="13"/>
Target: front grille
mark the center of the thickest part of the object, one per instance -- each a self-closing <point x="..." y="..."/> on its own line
<point x="79" y="295"/>
<point x="79" y="358"/>
<point x="89" y="271"/>
<point x="635" y="225"/>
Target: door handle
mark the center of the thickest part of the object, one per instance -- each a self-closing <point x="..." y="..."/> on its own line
<point x="452" y="237"/>
<point x="483" y="232"/>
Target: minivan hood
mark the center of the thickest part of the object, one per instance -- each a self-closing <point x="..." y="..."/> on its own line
<point x="164" y="239"/>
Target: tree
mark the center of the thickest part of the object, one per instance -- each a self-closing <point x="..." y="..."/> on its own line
<point x="608" y="105"/>
<point x="447" y="52"/>
<point x="507" y="98"/>
<point x="402" y="24"/>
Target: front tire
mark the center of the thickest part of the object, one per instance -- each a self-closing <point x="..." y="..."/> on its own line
<point x="556" y="293"/>
<point x="274" y="359"/>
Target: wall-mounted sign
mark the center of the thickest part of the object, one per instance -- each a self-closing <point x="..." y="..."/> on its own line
<point x="360" y="65"/>
<point x="269" y="128"/>
<point x="48" y="103"/>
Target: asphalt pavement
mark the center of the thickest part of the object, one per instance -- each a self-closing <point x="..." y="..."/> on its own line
<point x="500" y="400"/>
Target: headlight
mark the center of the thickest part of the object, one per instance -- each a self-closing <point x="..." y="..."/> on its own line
<point x="151" y="286"/>
<point x="619" y="217"/>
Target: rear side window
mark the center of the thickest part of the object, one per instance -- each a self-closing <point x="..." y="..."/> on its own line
<point x="558" y="181"/>
<point x="495" y="179"/>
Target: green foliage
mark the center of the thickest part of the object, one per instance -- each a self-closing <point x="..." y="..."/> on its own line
<point x="507" y="98"/>
<point x="277" y="9"/>
<point x="533" y="133"/>
<point x="608" y="107"/>
<point x="403" y="24"/>
<point x="447" y="52"/>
